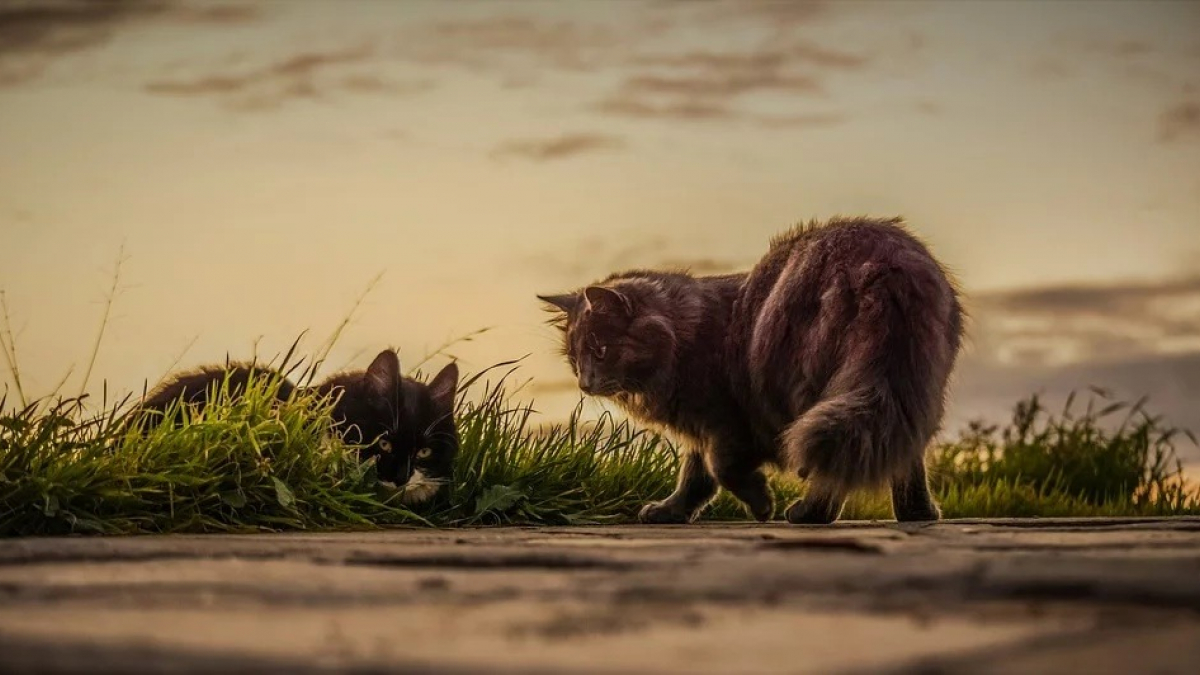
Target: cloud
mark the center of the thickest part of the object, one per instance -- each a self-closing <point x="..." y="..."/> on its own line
<point x="34" y="34"/>
<point x="1050" y="68"/>
<point x="718" y="85"/>
<point x="366" y="83"/>
<point x="56" y="27"/>
<point x="692" y="85"/>
<point x="623" y="105"/>
<point x="305" y="75"/>
<point x="559" y="147"/>
<point x="1156" y="64"/>
<point x="517" y="50"/>
<point x="1120" y="48"/>
<point x="768" y="59"/>
<point x="803" y="120"/>
<point x="1076" y="323"/>
<point x="928" y="107"/>
<point x="782" y="15"/>
<point x="1134" y="337"/>
<point x="504" y="42"/>
<point x="1180" y="121"/>
<point x="709" y="85"/>
<point x="1092" y="298"/>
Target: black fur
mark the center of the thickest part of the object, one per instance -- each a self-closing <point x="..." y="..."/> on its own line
<point x="406" y="424"/>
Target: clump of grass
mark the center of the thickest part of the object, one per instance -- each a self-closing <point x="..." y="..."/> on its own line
<point x="245" y="462"/>
<point x="1092" y="463"/>
<point x="511" y="471"/>
<point x="1040" y="464"/>
<point x="252" y="463"/>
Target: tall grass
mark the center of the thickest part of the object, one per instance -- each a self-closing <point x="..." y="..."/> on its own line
<point x="512" y="471"/>
<point x="244" y="463"/>
<point x="1113" y="458"/>
<point x="251" y="463"/>
<point x="248" y="463"/>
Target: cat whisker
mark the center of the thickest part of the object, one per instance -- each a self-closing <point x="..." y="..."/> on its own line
<point x="421" y="489"/>
<point x="438" y="421"/>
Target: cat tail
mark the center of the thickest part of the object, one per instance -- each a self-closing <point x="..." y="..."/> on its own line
<point x="885" y="400"/>
<point x="851" y="440"/>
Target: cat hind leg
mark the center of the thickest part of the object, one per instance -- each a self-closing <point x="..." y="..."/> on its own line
<point x="822" y="504"/>
<point x="911" y="499"/>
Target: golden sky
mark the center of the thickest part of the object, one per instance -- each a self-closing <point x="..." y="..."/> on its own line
<point x="262" y="162"/>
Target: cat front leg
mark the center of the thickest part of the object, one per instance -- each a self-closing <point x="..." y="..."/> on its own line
<point x="694" y="490"/>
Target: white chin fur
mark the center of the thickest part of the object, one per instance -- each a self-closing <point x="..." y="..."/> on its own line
<point x="419" y="488"/>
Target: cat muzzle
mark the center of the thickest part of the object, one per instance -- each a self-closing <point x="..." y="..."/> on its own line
<point x="598" y="388"/>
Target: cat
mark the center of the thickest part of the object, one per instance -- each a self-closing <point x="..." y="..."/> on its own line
<point x="830" y="359"/>
<point x="407" y="425"/>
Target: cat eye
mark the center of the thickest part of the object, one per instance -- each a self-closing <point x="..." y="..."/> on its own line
<point x="599" y="351"/>
<point x="385" y="445"/>
<point x="424" y="453"/>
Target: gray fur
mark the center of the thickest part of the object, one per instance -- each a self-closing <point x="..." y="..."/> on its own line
<point x="830" y="359"/>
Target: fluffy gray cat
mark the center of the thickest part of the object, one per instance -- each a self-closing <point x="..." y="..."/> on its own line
<point x="830" y="359"/>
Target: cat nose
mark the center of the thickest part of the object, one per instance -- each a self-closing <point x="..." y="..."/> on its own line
<point x="585" y="383"/>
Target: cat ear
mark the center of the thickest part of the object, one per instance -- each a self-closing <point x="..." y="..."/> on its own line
<point x="566" y="302"/>
<point x="603" y="299"/>
<point x="443" y="387"/>
<point x="384" y="373"/>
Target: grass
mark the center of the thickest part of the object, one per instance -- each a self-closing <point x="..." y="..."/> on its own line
<point x="247" y="464"/>
<point x="239" y="465"/>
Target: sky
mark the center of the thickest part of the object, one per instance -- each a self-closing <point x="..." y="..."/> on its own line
<point x="254" y="166"/>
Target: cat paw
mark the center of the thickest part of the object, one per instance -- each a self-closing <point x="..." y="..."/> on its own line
<point x="658" y="513"/>
<point x="927" y="512"/>
<point x="806" y="512"/>
<point x="763" y="511"/>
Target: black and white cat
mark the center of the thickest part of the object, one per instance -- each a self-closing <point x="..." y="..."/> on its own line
<point x="406" y="424"/>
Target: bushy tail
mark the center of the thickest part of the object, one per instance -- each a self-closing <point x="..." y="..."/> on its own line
<point x="856" y="439"/>
<point x="885" y="400"/>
